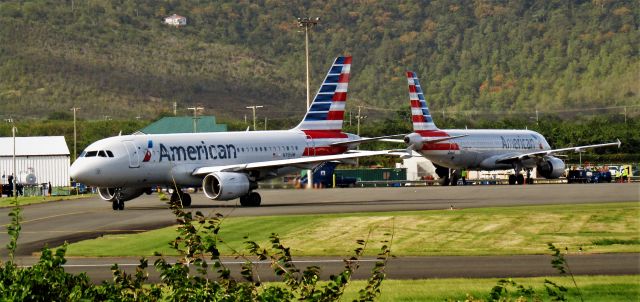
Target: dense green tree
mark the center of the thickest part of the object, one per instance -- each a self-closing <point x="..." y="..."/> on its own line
<point x="116" y="57"/>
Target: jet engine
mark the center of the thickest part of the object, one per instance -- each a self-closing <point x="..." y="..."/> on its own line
<point x="551" y="167"/>
<point x="226" y="185"/>
<point x="413" y="141"/>
<point x="109" y="194"/>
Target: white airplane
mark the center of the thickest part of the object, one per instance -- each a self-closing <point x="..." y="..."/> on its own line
<point x="480" y="149"/>
<point x="227" y="165"/>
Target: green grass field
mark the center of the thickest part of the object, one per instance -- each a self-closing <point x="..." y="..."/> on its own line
<point x="592" y="288"/>
<point x="596" y="228"/>
<point x="9" y="201"/>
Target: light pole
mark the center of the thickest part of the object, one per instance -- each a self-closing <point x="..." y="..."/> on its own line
<point x="195" y="117"/>
<point x="253" y="108"/>
<point x="359" y="117"/>
<point x="307" y="23"/>
<point x="13" y="131"/>
<point x="74" y="109"/>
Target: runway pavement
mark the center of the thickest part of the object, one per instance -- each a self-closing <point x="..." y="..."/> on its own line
<point x="56" y="222"/>
<point x="398" y="268"/>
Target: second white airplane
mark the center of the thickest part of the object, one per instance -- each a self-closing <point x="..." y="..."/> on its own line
<point x="227" y="165"/>
<point x="481" y="149"/>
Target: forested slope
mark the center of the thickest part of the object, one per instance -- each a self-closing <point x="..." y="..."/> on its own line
<point x="116" y="58"/>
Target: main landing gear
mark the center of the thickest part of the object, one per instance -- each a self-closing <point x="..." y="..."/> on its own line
<point x="180" y="198"/>
<point x="516" y="179"/>
<point x="252" y="199"/>
<point x="519" y="178"/>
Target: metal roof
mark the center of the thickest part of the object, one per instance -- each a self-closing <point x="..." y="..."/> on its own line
<point x="34" y="145"/>
<point x="183" y="124"/>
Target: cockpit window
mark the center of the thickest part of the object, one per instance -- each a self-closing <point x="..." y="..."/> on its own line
<point x="82" y="154"/>
<point x="102" y="154"/>
<point x="109" y="153"/>
<point x="91" y="153"/>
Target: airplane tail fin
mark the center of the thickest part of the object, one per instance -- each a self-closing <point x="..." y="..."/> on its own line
<point x="420" y="115"/>
<point x="326" y="112"/>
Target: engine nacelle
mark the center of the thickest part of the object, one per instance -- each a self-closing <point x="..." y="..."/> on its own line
<point x="413" y="141"/>
<point x="551" y="167"/>
<point x="226" y="185"/>
<point x="109" y="194"/>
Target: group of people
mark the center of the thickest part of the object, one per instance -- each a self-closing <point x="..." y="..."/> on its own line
<point x="7" y="189"/>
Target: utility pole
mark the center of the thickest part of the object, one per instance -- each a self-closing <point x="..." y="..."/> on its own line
<point x="195" y="117"/>
<point x="253" y="108"/>
<point x="265" y="123"/>
<point x="358" y="119"/>
<point x="307" y="23"/>
<point x="75" y="139"/>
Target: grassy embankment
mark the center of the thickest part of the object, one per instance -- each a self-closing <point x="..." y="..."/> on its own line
<point x="592" y="288"/>
<point x="596" y="228"/>
<point x="10" y="201"/>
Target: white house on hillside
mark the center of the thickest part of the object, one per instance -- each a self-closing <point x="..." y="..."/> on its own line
<point x="176" y="20"/>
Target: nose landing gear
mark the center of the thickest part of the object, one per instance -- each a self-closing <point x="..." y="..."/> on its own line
<point x="117" y="203"/>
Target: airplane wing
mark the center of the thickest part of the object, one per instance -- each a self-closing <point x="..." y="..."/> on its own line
<point x="424" y="140"/>
<point x="511" y="158"/>
<point x="368" y="139"/>
<point x="303" y="162"/>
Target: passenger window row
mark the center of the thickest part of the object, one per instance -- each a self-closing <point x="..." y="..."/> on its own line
<point x="270" y="148"/>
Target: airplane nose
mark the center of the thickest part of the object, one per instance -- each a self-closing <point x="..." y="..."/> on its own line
<point x="75" y="172"/>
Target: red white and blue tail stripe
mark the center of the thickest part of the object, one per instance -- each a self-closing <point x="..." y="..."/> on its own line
<point x="420" y="115"/>
<point x="327" y="109"/>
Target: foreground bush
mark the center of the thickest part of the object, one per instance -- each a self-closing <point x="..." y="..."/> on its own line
<point x="189" y="278"/>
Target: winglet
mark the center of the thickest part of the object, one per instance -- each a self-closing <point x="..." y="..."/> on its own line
<point x="619" y="143"/>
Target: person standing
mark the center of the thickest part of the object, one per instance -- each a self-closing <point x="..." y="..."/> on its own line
<point x="625" y="174"/>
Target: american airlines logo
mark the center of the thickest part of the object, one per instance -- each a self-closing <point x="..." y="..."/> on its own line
<point x="517" y="143"/>
<point x="197" y="152"/>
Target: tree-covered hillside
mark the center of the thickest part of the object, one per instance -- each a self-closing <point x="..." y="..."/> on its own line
<point x="116" y="58"/>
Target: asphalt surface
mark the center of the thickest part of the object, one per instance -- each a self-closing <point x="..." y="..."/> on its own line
<point x="56" y="222"/>
<point x="397" y="268"/>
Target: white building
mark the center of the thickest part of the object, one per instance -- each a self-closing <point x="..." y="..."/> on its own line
<point x="176" y="20"/>
<point x="39" y="159"/>
<point x="418" y="168"/>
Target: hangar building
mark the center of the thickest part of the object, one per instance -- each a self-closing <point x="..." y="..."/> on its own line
<point x="39" y="159"/>
<point x="183" y="124"/>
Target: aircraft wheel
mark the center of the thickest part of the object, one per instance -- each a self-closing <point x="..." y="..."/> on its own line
<point x="114" y="205"/>
<point x="174" y="197"/>
<point x="245" y="200"/>
<point x="520" y="179"/>
<point x="120" y="205"/>
<point x="186" y="200"/>
<point x="255" y="199"/>
<point x="454" y="180"/>
<point x="512" y="179"/>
